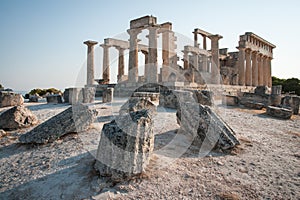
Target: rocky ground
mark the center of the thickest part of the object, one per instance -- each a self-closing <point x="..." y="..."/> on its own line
<point x="264" y="166"/>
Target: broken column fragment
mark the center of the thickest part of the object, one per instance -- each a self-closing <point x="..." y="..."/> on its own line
<point x="76" y="118"/>
<point x="108" y="95"/>
<point x="125" y="146"/>
<point x="211" y="130"/>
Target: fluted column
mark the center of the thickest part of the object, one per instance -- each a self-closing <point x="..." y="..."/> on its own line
<point x="121" y="65"/>
<point x="269" y="73"/>
<point x="254" y="69"/>
<point x="105" y="66"/>
<point x="196" y="39"/>
<point x="265" y="70"/>
<point x="215" y="68"/>
<point x="151" y="75"/>
<point x="260" y="70"/>
<point x="248" y="79"/>
<point x="241" y="66"/>
<point x="204" y="41"/>
<point x="133" y="55"/>
<point x="90" y="62"/>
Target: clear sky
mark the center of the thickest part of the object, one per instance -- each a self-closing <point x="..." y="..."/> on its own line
<point x="41" y="42"/>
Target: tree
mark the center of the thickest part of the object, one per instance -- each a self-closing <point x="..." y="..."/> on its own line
<point x="291" y="85"/>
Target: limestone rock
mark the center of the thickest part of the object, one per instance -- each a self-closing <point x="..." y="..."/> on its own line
<point x="282" y="113"/>
<point x="10" y="99"/>
<point x="138" y="103"/>
<point x="17" y="117"/>
<point x="77" y="118"/>
<point x="126" y="146"/>
<point x="205" y="126"/>
<point x="55" y="98"/>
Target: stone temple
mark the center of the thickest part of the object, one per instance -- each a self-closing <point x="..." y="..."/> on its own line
<point x="244" y="69"/>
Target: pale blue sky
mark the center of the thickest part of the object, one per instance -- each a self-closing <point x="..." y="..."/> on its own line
<point x="42" y="41"/>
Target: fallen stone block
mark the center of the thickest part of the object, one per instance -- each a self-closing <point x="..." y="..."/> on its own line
<point x="205" y="126"/>
<point x="10" y="99"/>
<point x="153" y="97"/>
<point x="282" y="113"/>
<point x="55" y="98"/>
<point x="76" y="118"/>
<point x="230" y="100"/>
<point x="125" y="146"/>
<point x="17" y="117"/>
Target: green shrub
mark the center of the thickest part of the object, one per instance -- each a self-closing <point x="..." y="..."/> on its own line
<point x="288" y="85"/>
<point x="42" y="92"/>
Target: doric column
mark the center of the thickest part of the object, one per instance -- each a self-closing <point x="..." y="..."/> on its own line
<point x="265" y="70"/>
<point x="90" y="62"/>
<point x="269" y="72"/>
<point x="215" y="68"/>
<point x="151" y="75"/>
<point x="248" y="79"/>
<point x="185" y="59"/>
<point x="105" y="67"/>
<point x="121" y="65"/>
<point x="254" y="69"/>
<point x="260" y="70"/>
<point x="146" y="54"/>
<point x="196" y="39"/>
<point x="241" y="66"/>
<point x="133" y="55"/>
<point x="204" y="41"/>
<point x="195" y="61"/>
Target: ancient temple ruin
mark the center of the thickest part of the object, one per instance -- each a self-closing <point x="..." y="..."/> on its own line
<point x="248" y="67"/>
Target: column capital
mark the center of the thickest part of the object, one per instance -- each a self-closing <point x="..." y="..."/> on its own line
<point x="134" y="32"/>
<point x="215" y="37"/>
<point x="105" y="46"/>
<point x="248" y="50"/>
<point x="120" y="48"/>
<point x="90" y="43"/>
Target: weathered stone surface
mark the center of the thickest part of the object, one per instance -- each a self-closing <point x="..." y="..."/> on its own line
<point x="282" y="113"/>
<point x="77" y="118"/>
<point x="2" y="133"/>
<point x="108" y="95"/>
<point x="126" y="146"/>
<point x="138" y="103"/>
<point x="153" y="97"/>
<point x="254" y="105"/>
<point x="260" y="90"/>
<point x="254" y="98"/>
<point x="17" y="117"/>
<point x="230" y="100"/>
<point x="168" y="99"/>
<point x="205" y="126"/>
<point x="88" y="94"/>
<point x="204" y="97"/>
<point x="276" y="89"/>
<point x="55" y="98"/>
<point x="10" y="99"/>
<point x="291" y="102"/>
